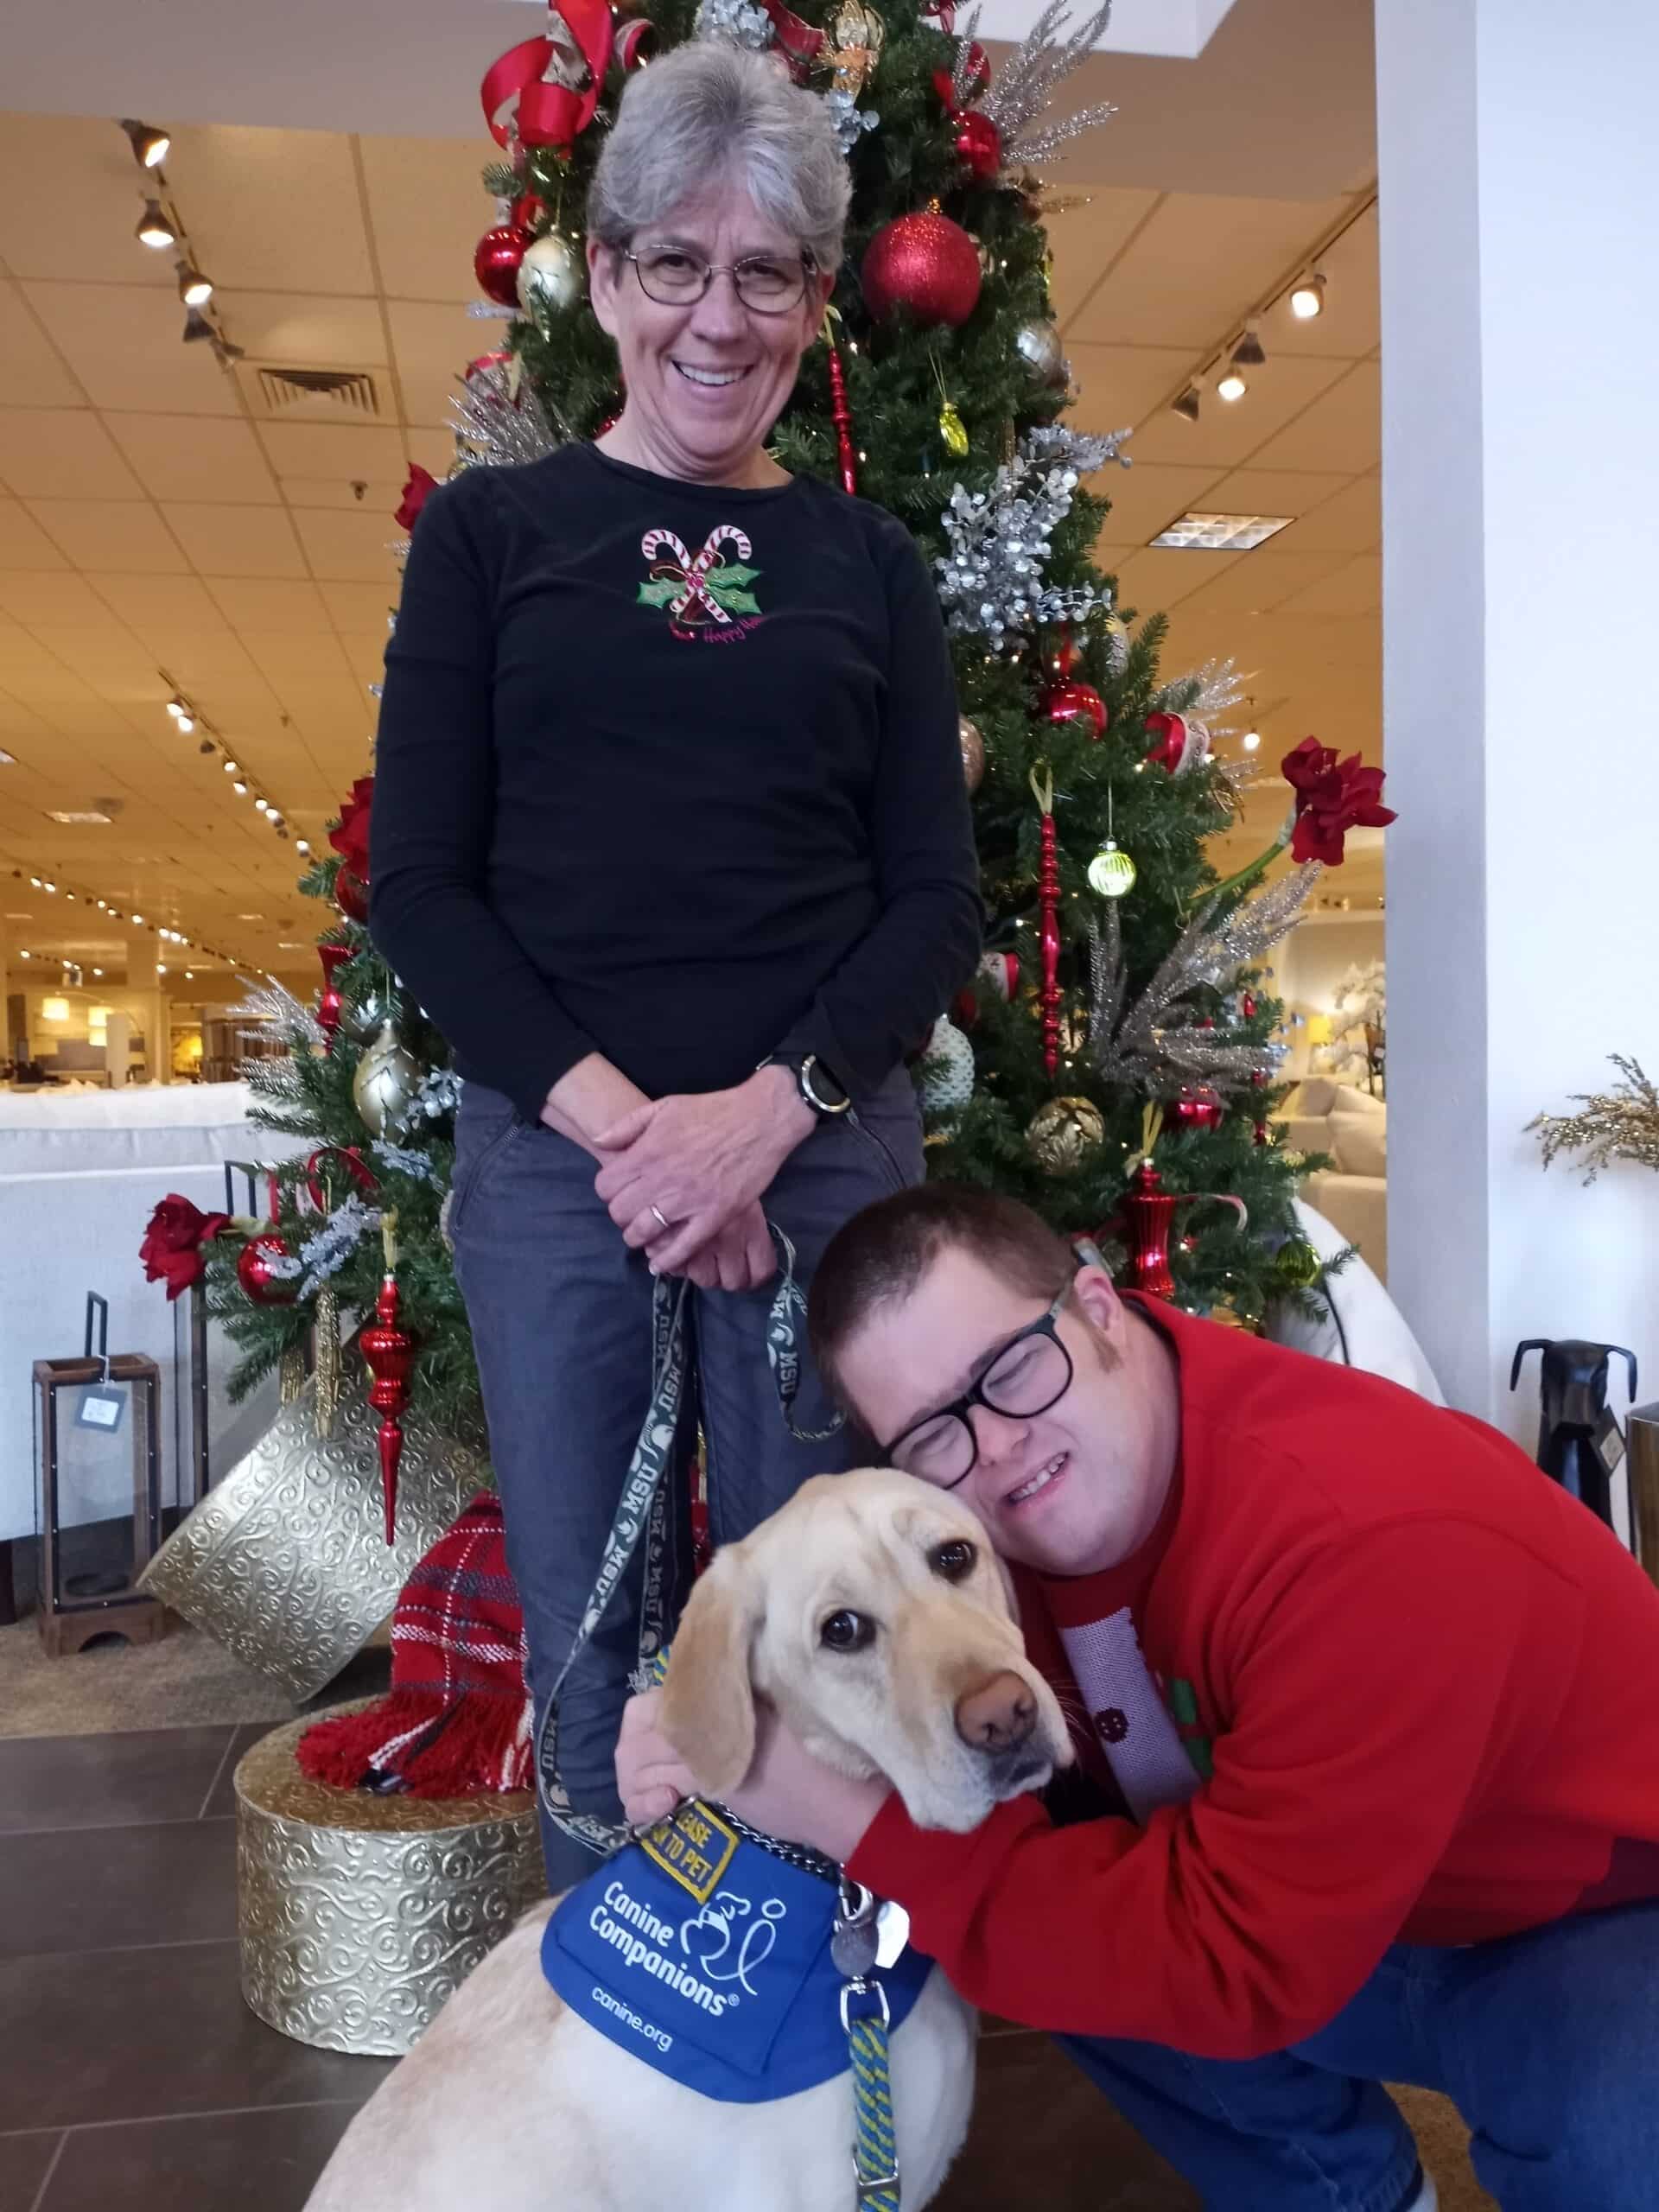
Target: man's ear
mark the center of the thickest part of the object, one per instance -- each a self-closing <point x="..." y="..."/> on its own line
<point x="1097" y="1299"/>
<point x="708" y="1699"/>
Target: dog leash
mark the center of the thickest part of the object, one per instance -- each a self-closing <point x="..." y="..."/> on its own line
<point x="642" y="1510"/>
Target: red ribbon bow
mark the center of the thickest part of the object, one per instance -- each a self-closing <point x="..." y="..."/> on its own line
<point x="524" y="93"/>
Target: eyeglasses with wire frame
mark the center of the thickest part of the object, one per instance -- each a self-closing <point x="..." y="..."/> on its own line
<point x="1031" y="1372"/>
<point x="677" y="276"/>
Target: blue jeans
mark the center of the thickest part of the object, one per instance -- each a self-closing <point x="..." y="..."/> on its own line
<point x="1547" y="2042"/>
<point x="560" y="1312"/>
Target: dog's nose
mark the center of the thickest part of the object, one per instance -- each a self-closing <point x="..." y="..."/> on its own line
<point x="996" y="1716"/>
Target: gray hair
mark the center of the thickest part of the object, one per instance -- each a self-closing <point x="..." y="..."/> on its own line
<point x="709" y="111"/>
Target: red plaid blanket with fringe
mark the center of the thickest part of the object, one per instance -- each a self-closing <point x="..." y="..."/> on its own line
<point x="457" y="1718"/>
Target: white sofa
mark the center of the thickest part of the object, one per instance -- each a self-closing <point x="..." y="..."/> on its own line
<point x="1352" y="1128"/>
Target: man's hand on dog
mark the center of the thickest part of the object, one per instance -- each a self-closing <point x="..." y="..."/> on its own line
<point x="786" y="1792"/>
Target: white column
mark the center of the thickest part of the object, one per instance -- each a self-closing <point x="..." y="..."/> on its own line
<point x="1519" y="162"/>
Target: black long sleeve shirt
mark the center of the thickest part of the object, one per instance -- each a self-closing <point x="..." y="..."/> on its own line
<point x="670" y="772"/>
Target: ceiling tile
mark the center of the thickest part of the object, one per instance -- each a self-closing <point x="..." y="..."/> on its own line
<point x="64" y="452"/>
<point x="152" y="605"/>
<point x="1144" y="500"/>
<point x="1274" y="491"/>
<point x="87" y="227"/>
<point x="124" y="344"/>
<point x="1354" y="587"/>
<point x="272" y="210"/>
<point x="1118" y="386"/>
<point x="341" y="452"/>
<point x="236" y="541"/>
<point x="1229" y="436"/>
<point x="429" y="209"/>
<point x="1087" y="240"/>
<point x="1258" y="581"/>
<point x="266" y="605"/>
<point x="31" y="374"/>
<point x="1159" y="577"/>
<point x="53" y="600"/>
<point x="311" y="331"/>
<point x="432" y="346"/>
<point x="347" y="546"/>
<point x="1349" y="522"/>
<point x="184" y="457"/>
<point x="360" y="607"/>
<point x="1339" y="430"/>
<point x="23" y="543"/>
<point x="1201" y="261"/>
<point x="97" y="533"/>
<point x="374" y="495"/>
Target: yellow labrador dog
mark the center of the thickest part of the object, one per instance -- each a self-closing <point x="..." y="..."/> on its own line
<point x="510" y="2100"/>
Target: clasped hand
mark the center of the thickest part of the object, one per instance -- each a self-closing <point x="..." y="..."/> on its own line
<point x="702" y="1163"/>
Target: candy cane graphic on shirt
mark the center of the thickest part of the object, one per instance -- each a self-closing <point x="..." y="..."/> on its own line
<point x="692" y="571"/>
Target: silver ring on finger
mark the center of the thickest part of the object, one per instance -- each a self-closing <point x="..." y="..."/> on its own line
<point x="657" y="1214"/>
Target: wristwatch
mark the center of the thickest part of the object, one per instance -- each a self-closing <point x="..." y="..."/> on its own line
<point x="823" y="1093"/>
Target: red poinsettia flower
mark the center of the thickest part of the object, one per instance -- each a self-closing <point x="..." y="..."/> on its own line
<point x="171" y="1250"/>
<point x="351" y="840"/>
<point x="419" y="489"/>
<point x="1332" y="796"/>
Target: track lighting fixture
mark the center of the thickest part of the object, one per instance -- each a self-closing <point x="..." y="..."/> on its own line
<point x="154" y="230"/>
<point x="1187" y="405"/>
<point x="1307" y="296"/>
<point x="177" y="706"/>
<point x="1247" y="354"/>
<point x="187" y="723"/>
<point x="1232" y="385"/>
<point x="195" y="290"/>
<point x="197" y="326"/>
<point x="207" y="745"/>
<point x="149" y="145"/>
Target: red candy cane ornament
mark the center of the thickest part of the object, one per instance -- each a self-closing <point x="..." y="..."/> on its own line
<point x="1048" y="898"/>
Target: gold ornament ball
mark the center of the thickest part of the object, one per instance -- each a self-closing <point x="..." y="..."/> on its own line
<point x="973" y="753"/>
<point x="1111" y="872"/>
<point x="1062" y="1133"/>
<point x="386" y="1080"/>
<point x="550" y="276"/>
<point x="1297" y="1264"/>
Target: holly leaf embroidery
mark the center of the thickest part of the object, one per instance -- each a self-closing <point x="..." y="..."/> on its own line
<point x="732" y="572"/>
<point x="725" y="587"/>
<point x="659" y="591"/>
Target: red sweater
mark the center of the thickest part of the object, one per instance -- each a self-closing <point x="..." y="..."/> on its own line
<point x="1427" y="1679"/>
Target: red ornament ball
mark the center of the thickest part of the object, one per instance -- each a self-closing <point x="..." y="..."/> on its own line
<point x="253" y="1271"/>
<point x="925" y="264"/>
<point x="1200" y="1109"/>
<point x="351" y="895"/>
<point x="1247" y="1006"/>
<point x="495" y="265"/>
<point x="979" y="144"/>
<point x="1074" y="702"/>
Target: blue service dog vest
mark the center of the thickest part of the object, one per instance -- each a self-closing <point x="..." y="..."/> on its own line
<point x="710" y="1959"/>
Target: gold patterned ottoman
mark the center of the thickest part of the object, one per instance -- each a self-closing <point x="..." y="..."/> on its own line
<point x="358" y="1914"/>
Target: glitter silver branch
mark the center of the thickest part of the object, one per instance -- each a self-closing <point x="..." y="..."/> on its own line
<point x="851" y="120"/>
<point x="495" y="429"/>
<point x="272" y="1007"/>
<point x="991" y="582"/>
<point x="1026" y="84"/>
<point x="1157" y="1042"/>
<point x="735" y="22"/>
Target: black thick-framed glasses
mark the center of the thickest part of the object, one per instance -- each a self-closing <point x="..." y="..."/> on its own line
<point x="675" y="276"/>
<point x="1031" y="1372"/>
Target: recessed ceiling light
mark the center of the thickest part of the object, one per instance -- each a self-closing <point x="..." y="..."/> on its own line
<point x="1308" y="299"/>
<point x="52" y="815"/>
<point x="250" y="918"/>
<point x="1221" y="533"/>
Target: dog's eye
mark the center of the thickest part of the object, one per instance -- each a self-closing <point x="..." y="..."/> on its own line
<point x="848" y="1632"/>
<point x="955" y="1561"/>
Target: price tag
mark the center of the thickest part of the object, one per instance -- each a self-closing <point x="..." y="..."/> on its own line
<point x="1609" y="1442"/>
<point x="101" y="1408"/>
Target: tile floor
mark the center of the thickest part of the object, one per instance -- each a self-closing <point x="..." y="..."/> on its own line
<point x="132" y="2074"/>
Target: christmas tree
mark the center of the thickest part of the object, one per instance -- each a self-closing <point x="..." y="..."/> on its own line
<point x="1115" y="1060"/>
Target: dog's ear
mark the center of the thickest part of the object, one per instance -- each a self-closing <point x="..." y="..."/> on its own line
<point x="708" y="1699"/>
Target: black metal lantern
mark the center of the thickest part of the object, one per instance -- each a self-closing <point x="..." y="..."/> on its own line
<point x="97" y="1471"/>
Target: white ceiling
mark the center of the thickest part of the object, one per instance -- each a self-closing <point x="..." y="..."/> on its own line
<point x="152" y="519"/>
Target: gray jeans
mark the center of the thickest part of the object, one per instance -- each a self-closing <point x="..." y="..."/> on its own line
<point x="560" y="1312"/>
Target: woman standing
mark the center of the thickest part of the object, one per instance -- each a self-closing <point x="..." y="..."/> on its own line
<point x="670" y="838"/>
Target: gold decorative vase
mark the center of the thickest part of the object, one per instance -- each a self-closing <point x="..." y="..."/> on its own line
<point x="285" y="1561"/>
<point x="359" y="1915"/>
